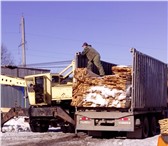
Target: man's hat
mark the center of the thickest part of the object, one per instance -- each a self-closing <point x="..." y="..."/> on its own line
<point x="85" y="44"/>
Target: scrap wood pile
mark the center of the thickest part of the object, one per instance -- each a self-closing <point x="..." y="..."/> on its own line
<point x="164" y="126"/>
<point x="91" y="90"/>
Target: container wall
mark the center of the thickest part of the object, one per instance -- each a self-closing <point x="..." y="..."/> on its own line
<point x="12" y="96"/>
<point x="149" y="82"/>
<point x="81" y="61"/>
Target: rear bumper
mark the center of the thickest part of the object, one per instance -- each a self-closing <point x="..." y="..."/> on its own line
<point x="104" y="121"/>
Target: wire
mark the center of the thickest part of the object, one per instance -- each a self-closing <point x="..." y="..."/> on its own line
<point x="80" y="40"/>
<point x="50" y="63"/>
<point x="50" y="66"/>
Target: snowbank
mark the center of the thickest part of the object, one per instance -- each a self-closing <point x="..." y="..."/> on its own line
<point x="17" y="124"/>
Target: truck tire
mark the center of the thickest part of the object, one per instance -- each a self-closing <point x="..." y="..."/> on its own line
<point x="153" y="126"/>
<point x="68" y="128"/>
<point x="136" y="134"/>
<point x="145" y="128"/>
<point x="64" y="129"/>
<point x="39" y="125"/>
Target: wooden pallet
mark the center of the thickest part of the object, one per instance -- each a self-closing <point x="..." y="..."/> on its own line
<point x="164" y="126"/>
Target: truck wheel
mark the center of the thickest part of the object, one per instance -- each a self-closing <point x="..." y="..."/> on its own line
<point x="44" y="126"/>
<point x="39" y="126"/>
<point x="71" y="128"/>
<point x="68" y="128"/>
<point x="145" y="128"/>
<point x="136" y="134"/>
<point x="64" y="129"/>
<point x="153" y="126"/>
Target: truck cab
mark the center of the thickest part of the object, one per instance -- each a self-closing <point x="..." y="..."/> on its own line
<point x="47" y="89"/>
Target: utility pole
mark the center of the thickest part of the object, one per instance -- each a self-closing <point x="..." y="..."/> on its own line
<point x="23" y="42"/>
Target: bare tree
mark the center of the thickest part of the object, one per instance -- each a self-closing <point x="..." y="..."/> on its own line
<point x="6" y="58"/>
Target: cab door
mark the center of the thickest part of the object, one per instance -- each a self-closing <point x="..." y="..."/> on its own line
<point x="43" y="89"/>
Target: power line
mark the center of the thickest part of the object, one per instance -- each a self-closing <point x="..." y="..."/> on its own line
<point x="50" y="63"/>
<point x="39" y="55"/>
<point x="102" y="19"/>
<point x="51" y="67"/>
<point x="81" y="40"/>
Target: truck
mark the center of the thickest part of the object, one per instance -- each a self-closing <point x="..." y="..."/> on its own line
<point x="148" y="103"/>
<point x="50" y="97"/>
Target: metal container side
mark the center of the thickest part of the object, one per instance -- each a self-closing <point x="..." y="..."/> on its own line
<point x="149" y="79"/>
<point x="9" y="71"/>
<point x="31" y="71"/>
<point x="12" y="96"/>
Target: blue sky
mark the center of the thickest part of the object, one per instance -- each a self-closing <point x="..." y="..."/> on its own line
<point x="56" y="30"/>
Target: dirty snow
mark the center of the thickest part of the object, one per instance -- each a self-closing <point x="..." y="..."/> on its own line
<point x="19" y="134"/>
<point x="16" y="124"/>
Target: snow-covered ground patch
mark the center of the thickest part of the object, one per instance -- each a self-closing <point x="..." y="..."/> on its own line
<point x="68" y="139"/>
<point x="17" y="124"/>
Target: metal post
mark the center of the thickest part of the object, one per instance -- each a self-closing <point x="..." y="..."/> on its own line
<point x="23" y="42"/>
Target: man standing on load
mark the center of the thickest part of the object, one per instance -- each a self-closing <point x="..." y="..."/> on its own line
<point x="93" y="57"/>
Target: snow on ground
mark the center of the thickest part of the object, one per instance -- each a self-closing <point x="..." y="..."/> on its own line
<point x="16" y="124"/>
<point x="68" y="139"/>
<point x="16" y="132"/>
